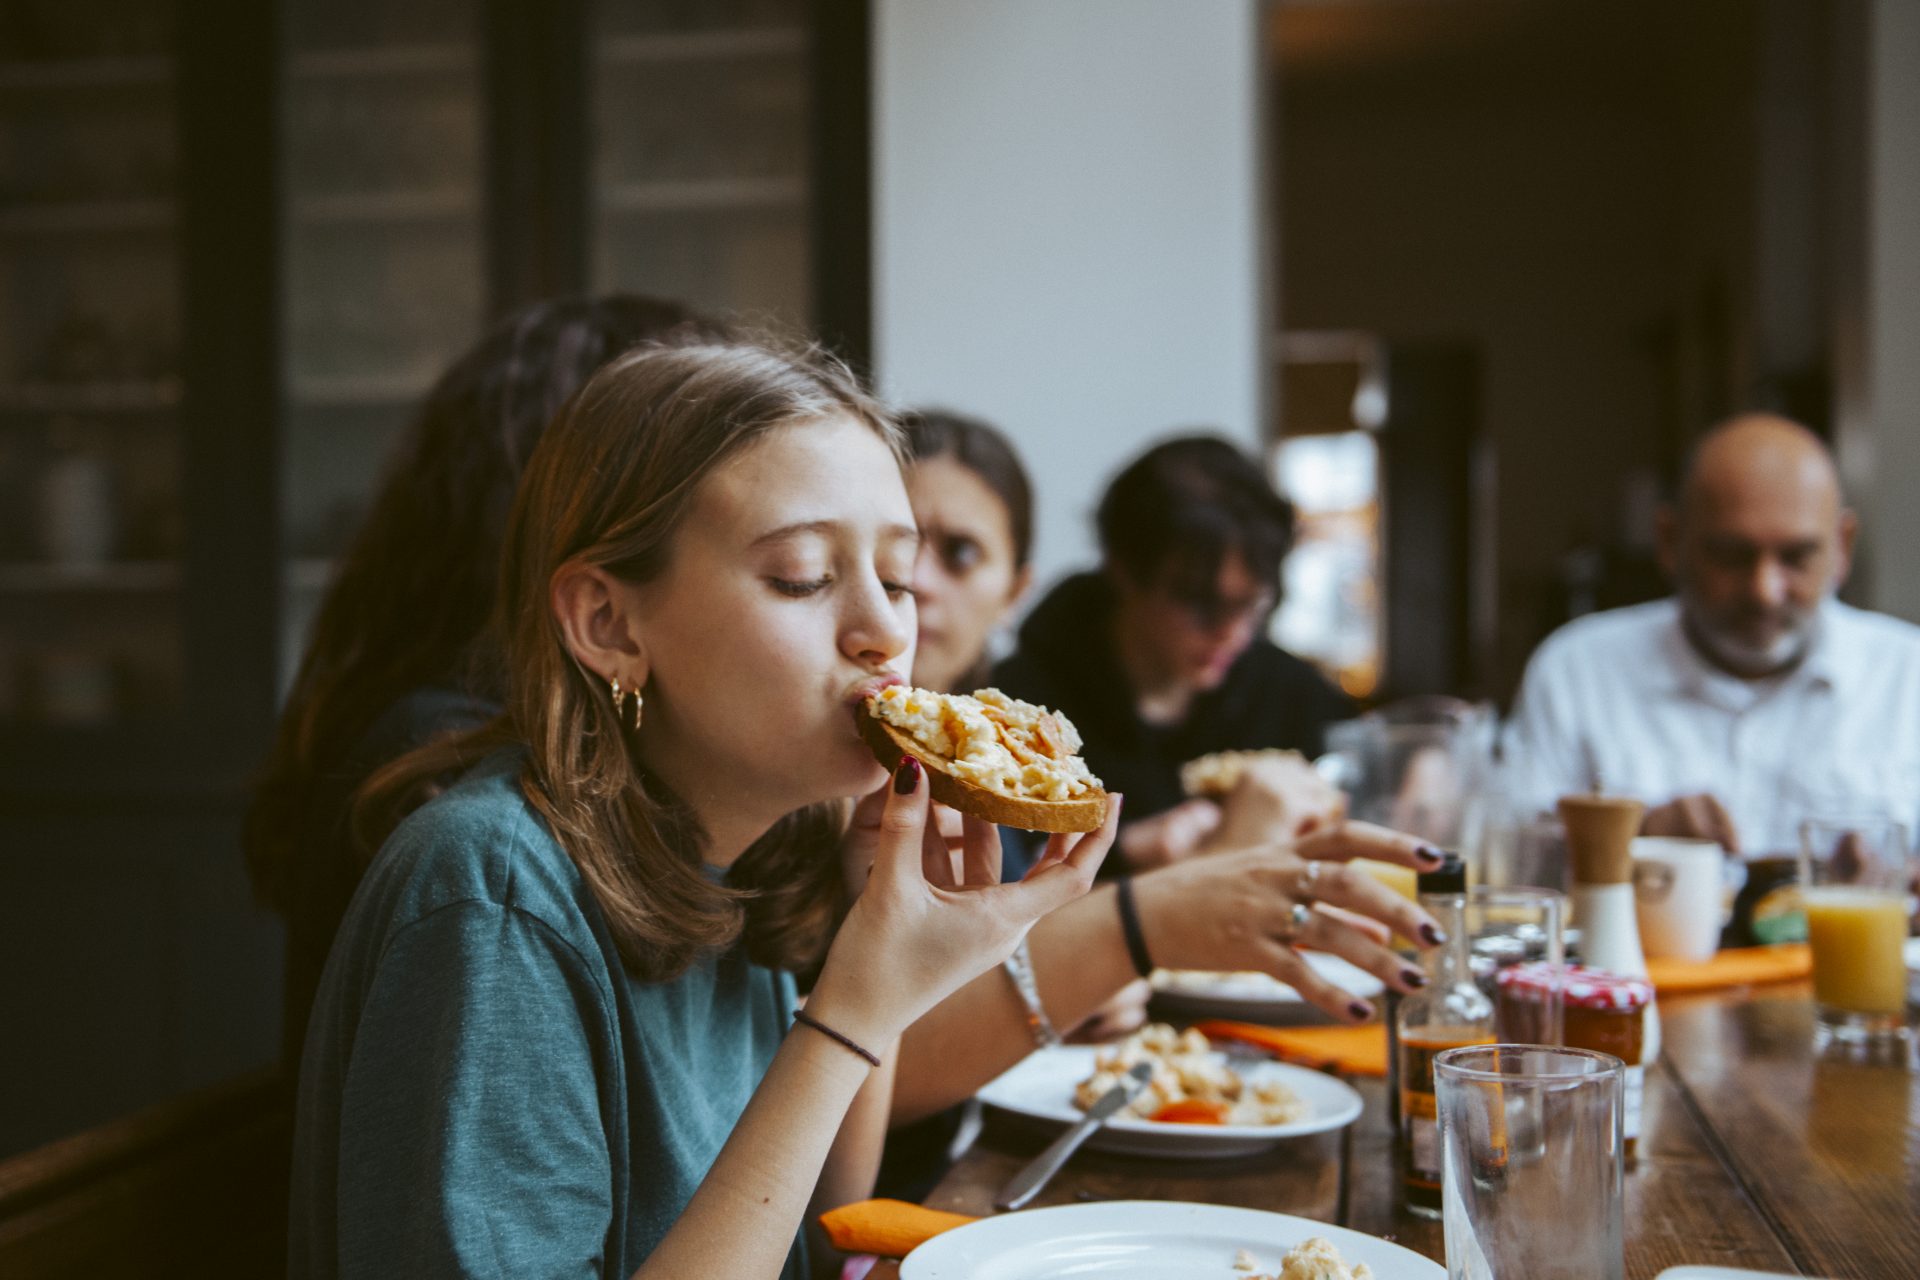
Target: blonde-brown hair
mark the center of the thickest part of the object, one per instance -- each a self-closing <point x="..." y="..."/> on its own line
<point x="609" y="486"/>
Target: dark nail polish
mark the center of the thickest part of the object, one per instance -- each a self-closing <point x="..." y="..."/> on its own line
<point x="1413" y="978"/>
<point x="1360" y="1009"/>
<point x="1430" y="855"/>
<point x="906" y="777"/>
<point x="1433" y="934"/>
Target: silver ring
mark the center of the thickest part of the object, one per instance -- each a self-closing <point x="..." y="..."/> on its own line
<point x="1299" y="916"/>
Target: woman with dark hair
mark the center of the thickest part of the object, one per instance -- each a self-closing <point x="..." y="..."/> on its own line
<point x="553" y="1033"/>
<point x="1192" y="536"/>
<point x="399" y="652"/>
<point x="975" y="507"/>
<point x="1240" y="908"/>
<point x="557" y="1032"/>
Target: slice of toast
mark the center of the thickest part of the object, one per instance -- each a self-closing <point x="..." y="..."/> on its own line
<point x="888" y="744"/>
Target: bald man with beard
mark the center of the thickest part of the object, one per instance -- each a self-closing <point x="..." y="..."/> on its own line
<point x="1750" y="700"/>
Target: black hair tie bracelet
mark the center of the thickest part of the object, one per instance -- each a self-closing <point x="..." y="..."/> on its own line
<point x="1130" y="926"/>
<point x="806" y="1019"/>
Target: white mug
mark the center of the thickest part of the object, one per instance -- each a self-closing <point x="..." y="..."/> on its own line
<point x="1678" y="896"/>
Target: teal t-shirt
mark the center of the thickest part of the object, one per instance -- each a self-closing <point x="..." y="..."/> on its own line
<point x="484" y="1090"/>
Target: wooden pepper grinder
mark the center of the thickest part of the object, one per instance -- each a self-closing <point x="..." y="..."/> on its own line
<point x="1600" y="831"/>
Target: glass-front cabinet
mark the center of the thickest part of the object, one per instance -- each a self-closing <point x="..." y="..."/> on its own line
<point x="237" y="245"/>
<point x="90" y="388"/>
<point x="701" y="154"/>
<point x="382" y="245"/>
<point x="234" y="255"/>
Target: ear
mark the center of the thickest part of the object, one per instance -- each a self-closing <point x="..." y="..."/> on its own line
<point x="1016" y="592"/>
<point x="599" y="621"/>
<point x="1666" y="538"/>
<point x="1849" y="530"/>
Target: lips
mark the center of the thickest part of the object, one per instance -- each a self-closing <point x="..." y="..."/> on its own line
<point x="865" y="689"/>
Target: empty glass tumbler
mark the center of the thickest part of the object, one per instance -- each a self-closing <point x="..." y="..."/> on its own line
<point x="1531" y="1150"/>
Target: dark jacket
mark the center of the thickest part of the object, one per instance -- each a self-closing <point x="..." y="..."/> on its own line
<point x="1066" y="661"/>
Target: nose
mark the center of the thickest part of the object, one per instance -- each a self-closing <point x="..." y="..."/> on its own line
<point x="877" y="629"/>
<point x="1769" y="586"/>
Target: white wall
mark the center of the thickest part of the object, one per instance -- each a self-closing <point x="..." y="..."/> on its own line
<point x="1878" y="328"/>
<point x="1067" y="238"/>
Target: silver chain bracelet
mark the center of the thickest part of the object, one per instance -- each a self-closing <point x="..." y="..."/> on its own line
<point x="1019" y="967"/>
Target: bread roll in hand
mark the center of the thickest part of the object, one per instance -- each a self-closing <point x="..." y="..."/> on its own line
<point x="989" y="755"/>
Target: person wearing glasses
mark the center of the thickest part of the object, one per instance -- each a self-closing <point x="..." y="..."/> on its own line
<point x="1160" y="655"/>
<point x="973" y="501"/>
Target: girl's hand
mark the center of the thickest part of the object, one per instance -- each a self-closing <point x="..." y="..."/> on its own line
<point x="945" y="827"/>
<point x="925" y="923"/>
<point x="1235" y="910"/>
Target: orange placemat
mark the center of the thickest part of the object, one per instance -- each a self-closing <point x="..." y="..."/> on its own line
<point x="1734" y="967"/>
<point x="889" y="1228"/>
<point x="1360" y="1051"/>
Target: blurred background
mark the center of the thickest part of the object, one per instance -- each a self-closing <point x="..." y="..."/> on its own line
<point x="1471" y="273"/>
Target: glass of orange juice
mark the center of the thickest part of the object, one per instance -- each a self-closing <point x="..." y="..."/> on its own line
<point x="1856" y="883"/>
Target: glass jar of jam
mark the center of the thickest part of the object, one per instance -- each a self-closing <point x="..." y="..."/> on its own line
<point x="1601" y="1011"/>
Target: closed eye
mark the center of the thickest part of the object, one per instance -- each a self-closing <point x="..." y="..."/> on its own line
<point x="800" y="588"/>
<point x="900" y="591"/>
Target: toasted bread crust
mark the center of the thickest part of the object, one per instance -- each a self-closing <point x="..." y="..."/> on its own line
<point x="888" y="744"/>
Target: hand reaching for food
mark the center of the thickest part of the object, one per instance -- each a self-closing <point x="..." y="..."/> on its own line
<point x="1168" y="836"/>
<point x="1248" y="909"/>
<point x="1264" y="796"/>
<point x="1693" y="817"/>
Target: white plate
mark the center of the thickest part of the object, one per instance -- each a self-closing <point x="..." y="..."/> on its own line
<point x="1257" y="995"/>
<point x="1042" y="1088"/>
<point x="1143" y="1240"/>
<point x="1913" y="955"/>
<point x="1719" y="1273"/>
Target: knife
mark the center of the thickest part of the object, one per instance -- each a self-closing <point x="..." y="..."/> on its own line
<point x="1029" y="1181"/>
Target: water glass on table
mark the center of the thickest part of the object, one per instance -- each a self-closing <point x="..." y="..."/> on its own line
<point x="1532" y="1168"/>
<point x="1856" y="884"/>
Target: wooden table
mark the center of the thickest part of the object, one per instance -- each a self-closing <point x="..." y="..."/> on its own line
<point x="1754" y="1153"/>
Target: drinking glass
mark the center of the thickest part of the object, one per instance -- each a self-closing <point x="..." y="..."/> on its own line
<point x="1855" y="883"/>
<point x="1529" y="851"/>
<point x="1516" y="925"/>
<point x="1421" y="766"/>
<point x="1531" y="1162"/>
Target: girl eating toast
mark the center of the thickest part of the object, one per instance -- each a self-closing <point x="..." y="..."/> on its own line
<point x="557" y="1032"/>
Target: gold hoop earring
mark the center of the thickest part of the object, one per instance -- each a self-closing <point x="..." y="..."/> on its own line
<point x="620" y="703"/>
